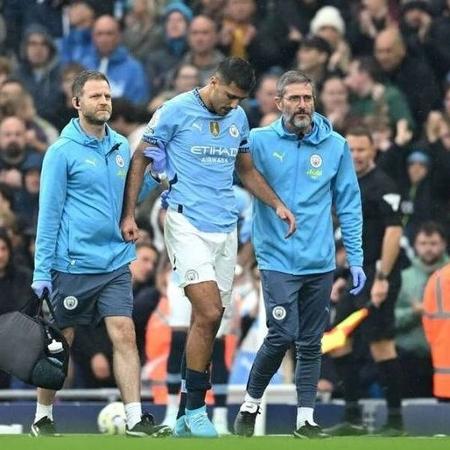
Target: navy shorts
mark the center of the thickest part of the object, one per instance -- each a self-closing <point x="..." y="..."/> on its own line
<point x="86" y="299"/>
<point x="297" y="306"/>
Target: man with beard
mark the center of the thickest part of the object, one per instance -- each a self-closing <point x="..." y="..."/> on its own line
<point x="310" y="166"/>
<point x="15" y="156"/>
<point x="81" y="258"/>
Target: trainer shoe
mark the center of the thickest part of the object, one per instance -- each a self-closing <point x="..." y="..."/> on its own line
<point x="391" y="431"/>
<point x="244" y="424"/>
<point x="347" y="429"/>
<point x="181" y="429"/>
<point x="309" y="431"/>
<point x="146" y="427"/>
<point x="198" y="422"/>
<point x="43" y="427"/>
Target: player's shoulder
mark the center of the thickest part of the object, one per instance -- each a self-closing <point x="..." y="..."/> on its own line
<point x="263" y="132"/>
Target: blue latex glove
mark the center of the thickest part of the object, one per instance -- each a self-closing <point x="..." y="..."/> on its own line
<point x="164" y="199"/>
<point x="39" y="287"/>
<point x="157" y="154"/>
<point x="359" y="279"/>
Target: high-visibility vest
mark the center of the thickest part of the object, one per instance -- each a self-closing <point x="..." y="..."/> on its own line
<point x="436" y="324"/>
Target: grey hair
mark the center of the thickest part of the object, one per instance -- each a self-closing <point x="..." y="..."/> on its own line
<point x="293" y="77"/>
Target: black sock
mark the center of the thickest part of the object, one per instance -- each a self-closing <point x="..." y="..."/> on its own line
<point x="197" y="383"/>
<point x="219" y="373"/>
<point x="174" y="361"/>
<point x="349" y="377"/>
<point x="390" y="379"/>
<point x="183" y="393"/>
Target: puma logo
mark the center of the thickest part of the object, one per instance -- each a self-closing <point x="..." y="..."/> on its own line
<point x="92" y="162"/>
<point x="279" y="156"/>
<point x="197" y="125"/>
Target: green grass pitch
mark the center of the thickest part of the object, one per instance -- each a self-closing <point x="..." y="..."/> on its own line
<point x="98" y="442"/>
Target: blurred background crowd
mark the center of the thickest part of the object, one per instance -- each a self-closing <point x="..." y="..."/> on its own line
<point x="381" y="63"/>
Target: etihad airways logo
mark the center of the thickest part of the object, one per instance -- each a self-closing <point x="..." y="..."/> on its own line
<point x="213" y="154"/>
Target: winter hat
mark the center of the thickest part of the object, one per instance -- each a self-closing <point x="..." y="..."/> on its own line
<point x="327" y="16"/>
<point x="184" y="10"/>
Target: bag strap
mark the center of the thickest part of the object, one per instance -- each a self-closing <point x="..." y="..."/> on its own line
<point x="45" y="298"/>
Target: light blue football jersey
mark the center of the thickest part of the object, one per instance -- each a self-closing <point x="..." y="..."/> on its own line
<point x="201" y="151"/>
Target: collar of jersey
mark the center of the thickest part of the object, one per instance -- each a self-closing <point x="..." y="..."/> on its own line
<point x="202" y="103"/>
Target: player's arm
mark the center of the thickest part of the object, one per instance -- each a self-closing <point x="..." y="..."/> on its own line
<point x="258" y="186"/>
<point x="389" y="208"/>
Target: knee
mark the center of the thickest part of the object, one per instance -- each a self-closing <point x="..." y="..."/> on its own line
<point x="123" y="334"/>
<point x="278" y="342"/>
<point x="208" y="318"/>
<point x="308" y="352"/>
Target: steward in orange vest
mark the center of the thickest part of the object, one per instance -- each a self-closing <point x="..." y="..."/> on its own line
<point x="436" y="324"/>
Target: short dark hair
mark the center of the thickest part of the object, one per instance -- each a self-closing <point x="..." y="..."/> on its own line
<point x="237" y="71"/>
<point x="430" y="227"/>
<point x="293" y="77"/>
<point x="370" y="65"/>
<point x="360" y="130"/>
<point x="83" y="77"/>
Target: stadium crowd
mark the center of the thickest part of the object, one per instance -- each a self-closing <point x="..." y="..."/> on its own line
<point x="378" y="63"/>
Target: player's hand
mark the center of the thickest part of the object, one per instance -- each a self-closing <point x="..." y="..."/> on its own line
<point x="129" y="229"/>
<point x="40" y="286"/>
<point x="358" y="278"/>
<point x="157" y="154"/>
<point x="285" y="214"/>
<point x="337" y="289"/>
<point x="379" y="292"/>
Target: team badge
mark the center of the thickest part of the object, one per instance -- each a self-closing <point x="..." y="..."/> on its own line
<point x="278" y="313"/>
<point x="70" y="302"/>
<point x="214" y="128"/>
<point x="316" y="161"/>
<point x="191" y="275"/>
<point x="234" y="132"/>
<point x="119" y="161"/>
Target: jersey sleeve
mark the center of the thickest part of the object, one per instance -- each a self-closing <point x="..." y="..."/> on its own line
<point x="389" y="204"/>
<point x="244" y="146"/>
<point x="162" y="125"/>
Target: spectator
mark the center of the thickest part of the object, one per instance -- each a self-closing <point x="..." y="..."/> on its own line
<point x="161" y="61"/>
<point x="335" y="105"/>
<point x="78" y="41"/>
<point x="202" y="53"/>
<point x="371" y="97"/>
<point x="416" y="204"/>
<point x="238" y="29"/>
<point x="264" y="101"/>
<point x="412" y="76"/>
<point x="107" y="55"/>
<point x="414" y="353"/>
<point x="39" y="71"/>
<point x="373" y="16"/>
<point x="65" y="110"/>
<point x="14" y="153"/>
<point x="142" y="33"/>
<point x="329" y="25"/>
<point x="312" y="59"/>
<point x="6" y="69"/>
<point x="126" y="120"/>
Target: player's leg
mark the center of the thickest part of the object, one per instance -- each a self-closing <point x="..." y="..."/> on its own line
<point x="381" y="333"/>
<point x="219" y="380"/>
<point x="280" y="300"/>
<point x="115" y="305"/>
<point x="73" y="304"/>
<point x="313" y="316"/>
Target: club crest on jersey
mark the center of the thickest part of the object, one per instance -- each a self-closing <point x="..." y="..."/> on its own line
<point x="191" y="275"/>
<point x="119" y="161"/>
<point x="234" y="132"/>
<point x="214" y="128"/>
<point x="70" y="302"/>
<point x="316" y="161"/>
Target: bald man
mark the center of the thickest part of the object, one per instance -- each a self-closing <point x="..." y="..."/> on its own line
<point x="107" y="55"/>
<point x="411" y="75"/>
